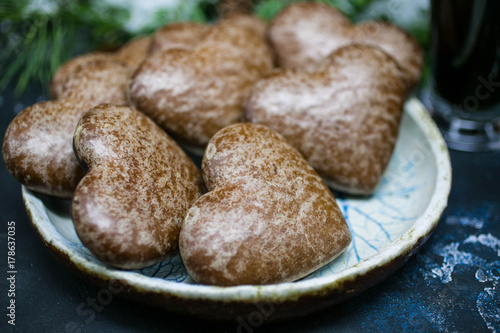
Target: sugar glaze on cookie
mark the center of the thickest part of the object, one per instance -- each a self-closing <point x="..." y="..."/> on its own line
<point x="343" y="117"/>
<point x="128" y="209"/>
<point x="268" y="217"/>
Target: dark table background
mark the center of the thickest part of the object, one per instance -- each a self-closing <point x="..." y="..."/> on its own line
<point x="451" y="285"/>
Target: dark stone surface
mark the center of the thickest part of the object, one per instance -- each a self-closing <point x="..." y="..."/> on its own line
<point x="451" y="285"/>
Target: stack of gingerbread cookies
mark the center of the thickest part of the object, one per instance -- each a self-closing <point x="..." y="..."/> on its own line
<point x="280" y="110"/>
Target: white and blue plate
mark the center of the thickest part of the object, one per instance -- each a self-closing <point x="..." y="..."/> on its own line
<point x="387" y="228"/>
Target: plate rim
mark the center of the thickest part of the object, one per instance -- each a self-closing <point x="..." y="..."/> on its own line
<point x="406" y="245"/>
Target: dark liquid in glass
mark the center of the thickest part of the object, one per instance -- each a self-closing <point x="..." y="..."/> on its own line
<point x="466" y="51"/>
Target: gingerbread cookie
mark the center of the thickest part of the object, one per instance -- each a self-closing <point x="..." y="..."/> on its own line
<point x="194" y="93"/>
<point x="128" y="209"/>
<point x="267" y="218"/>
<point x="37" y="147"/>
<point x="343" y="117"/>
<point x="303" y="34"/>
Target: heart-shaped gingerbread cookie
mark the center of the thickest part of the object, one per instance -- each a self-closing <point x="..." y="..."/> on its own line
<point x="128" y="209"/>
<point x="343" y="117"/>
<point x="37" y="147"/>
<point x="303" y="34"/>
<point x="268" y="217"/>
<point x="194" y="93"/>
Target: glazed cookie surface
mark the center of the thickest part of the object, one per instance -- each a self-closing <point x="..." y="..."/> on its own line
<point x="128" y="209"/>
<point x="69" y="66"/>
<point x="134" y="52"/>
<point x="343" y="117"/>
<point x="267" y="218"/>
<point x="303" y="34"/>
<point x="180" y="35"/>
<point x="37" y="146"/>
<point x="97" y="81"/>
<point x="130" y="54"/>
<point x="194" y="93"/>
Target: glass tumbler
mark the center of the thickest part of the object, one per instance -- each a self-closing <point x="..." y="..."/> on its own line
<point x="464" y="93"/>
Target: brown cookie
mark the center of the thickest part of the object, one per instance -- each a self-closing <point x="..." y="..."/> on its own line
<point x="268" y="217"/>
<point x="179" y="35"/>
<point x="194" y="93"/>
<point x="226" y="8"/>
<point x="128" y="209"/>
<point x="38" y="151"/>
<point x="130" y="54"/>
<point x="97" y="81"/>
<point x="134" y="52"/>
<point x="303" y="34"/>
<point x="69" y="66"/>
<point x="343" y="117"/>
<point x="37" y="146"/>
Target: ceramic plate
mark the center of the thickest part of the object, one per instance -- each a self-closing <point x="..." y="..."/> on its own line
<point x="387" y="228"/>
